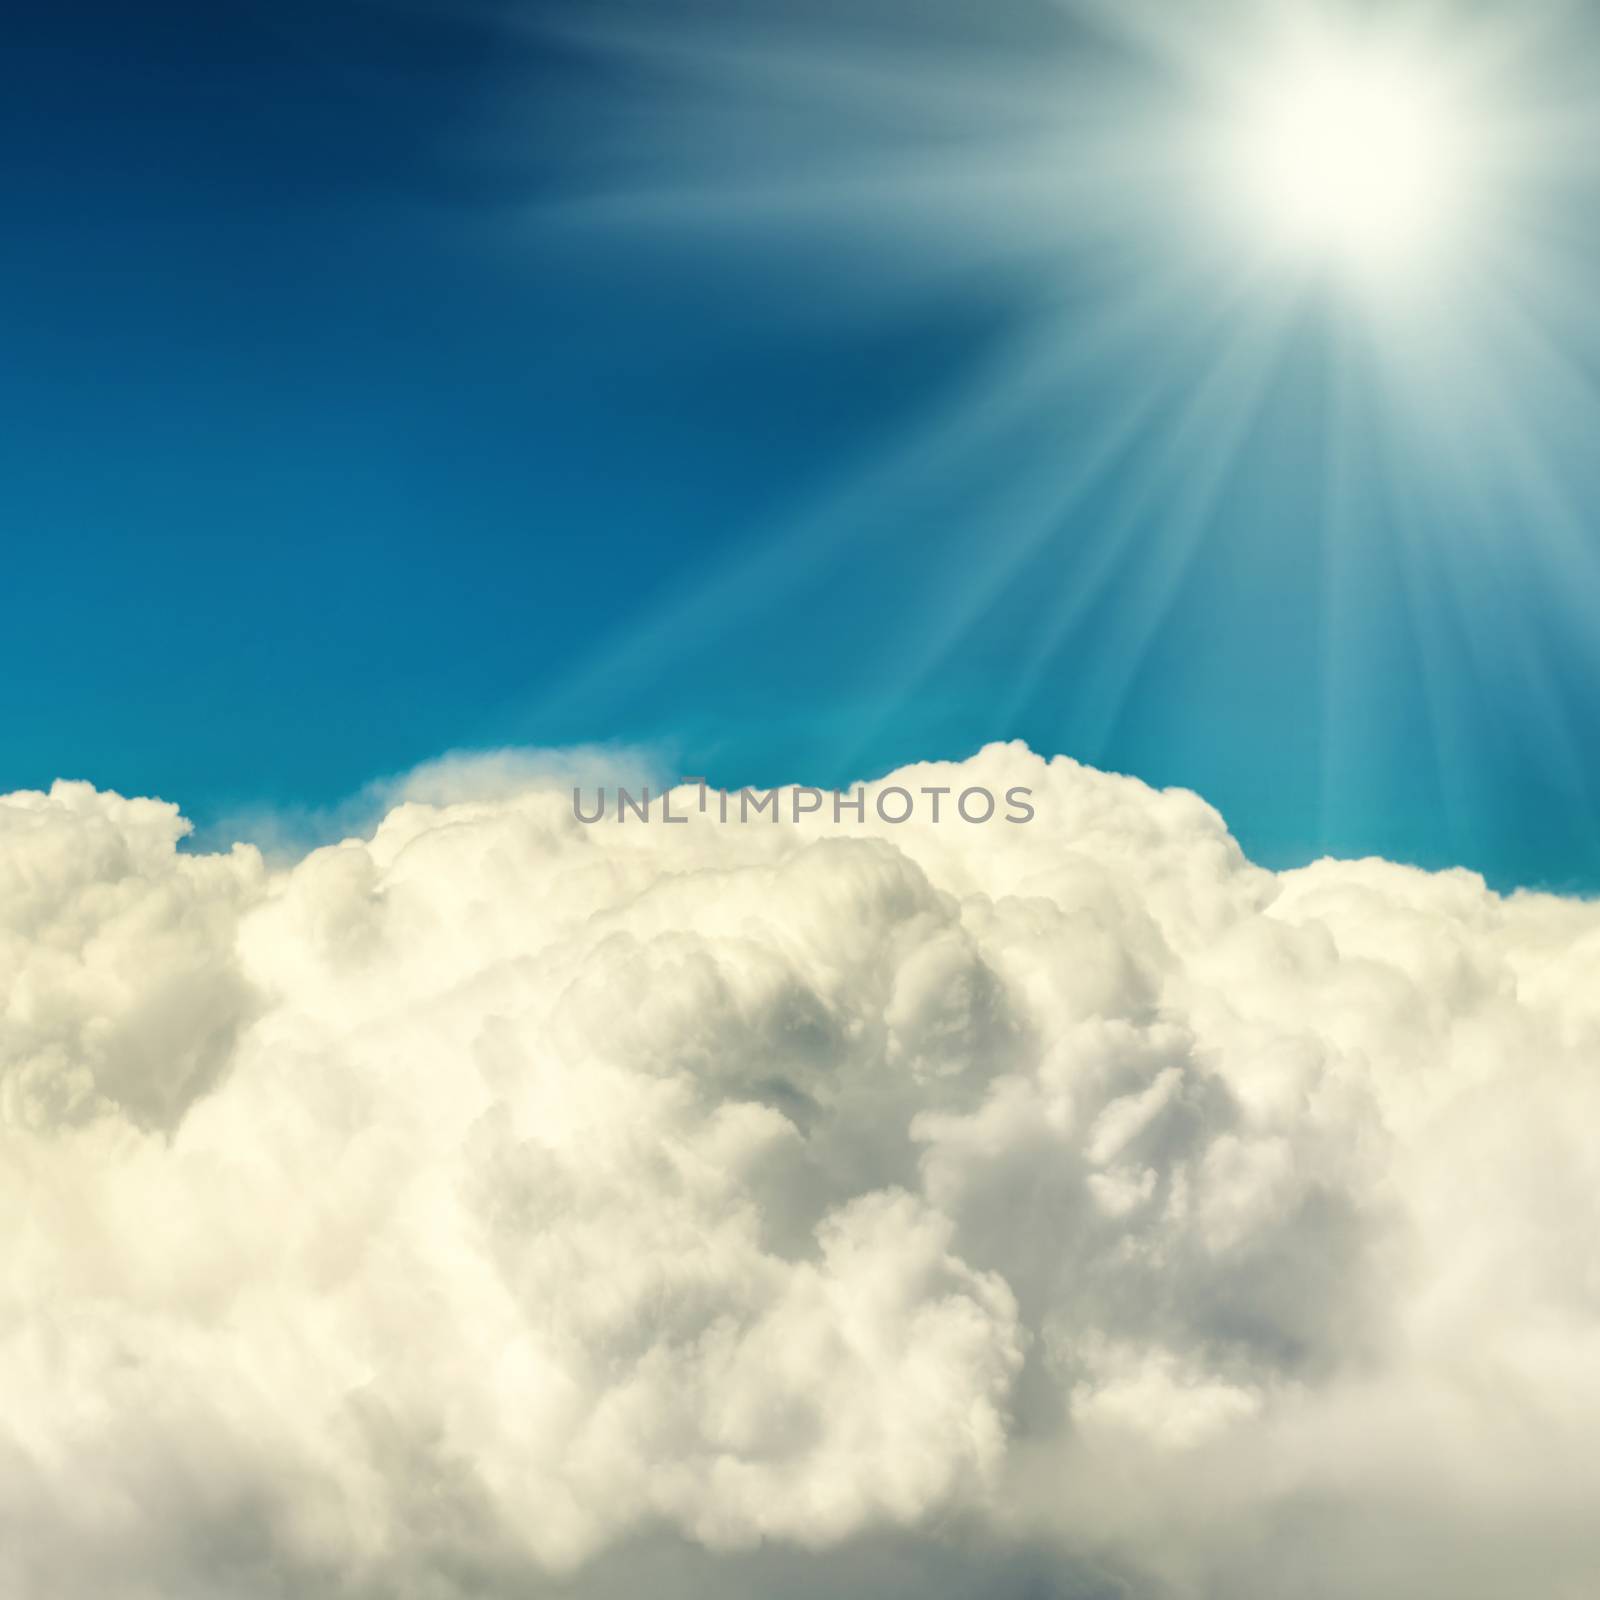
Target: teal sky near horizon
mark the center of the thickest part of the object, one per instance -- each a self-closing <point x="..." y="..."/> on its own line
<point x="794" y="391"/>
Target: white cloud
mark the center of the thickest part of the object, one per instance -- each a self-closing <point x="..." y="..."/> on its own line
<point x="498" y="1203"/>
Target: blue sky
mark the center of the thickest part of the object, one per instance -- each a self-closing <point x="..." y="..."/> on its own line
<point x="383" y="379"/>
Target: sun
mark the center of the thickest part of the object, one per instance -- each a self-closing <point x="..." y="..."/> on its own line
<point x="1348" y="155"/>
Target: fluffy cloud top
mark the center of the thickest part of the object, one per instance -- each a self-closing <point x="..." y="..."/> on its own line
<point x="500" y="1205"/>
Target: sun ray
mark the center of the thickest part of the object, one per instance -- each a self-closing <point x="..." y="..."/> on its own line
<point x="1207" y="177"/>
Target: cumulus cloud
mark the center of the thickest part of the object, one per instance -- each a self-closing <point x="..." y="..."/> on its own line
<point x="286" y="833"/>
<point x="501" y="1205"/>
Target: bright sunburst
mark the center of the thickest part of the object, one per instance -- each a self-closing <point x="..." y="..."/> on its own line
<point x="1349" y="153"/>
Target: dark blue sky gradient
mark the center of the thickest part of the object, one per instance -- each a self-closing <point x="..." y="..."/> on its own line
<point x="324" y="451"/>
